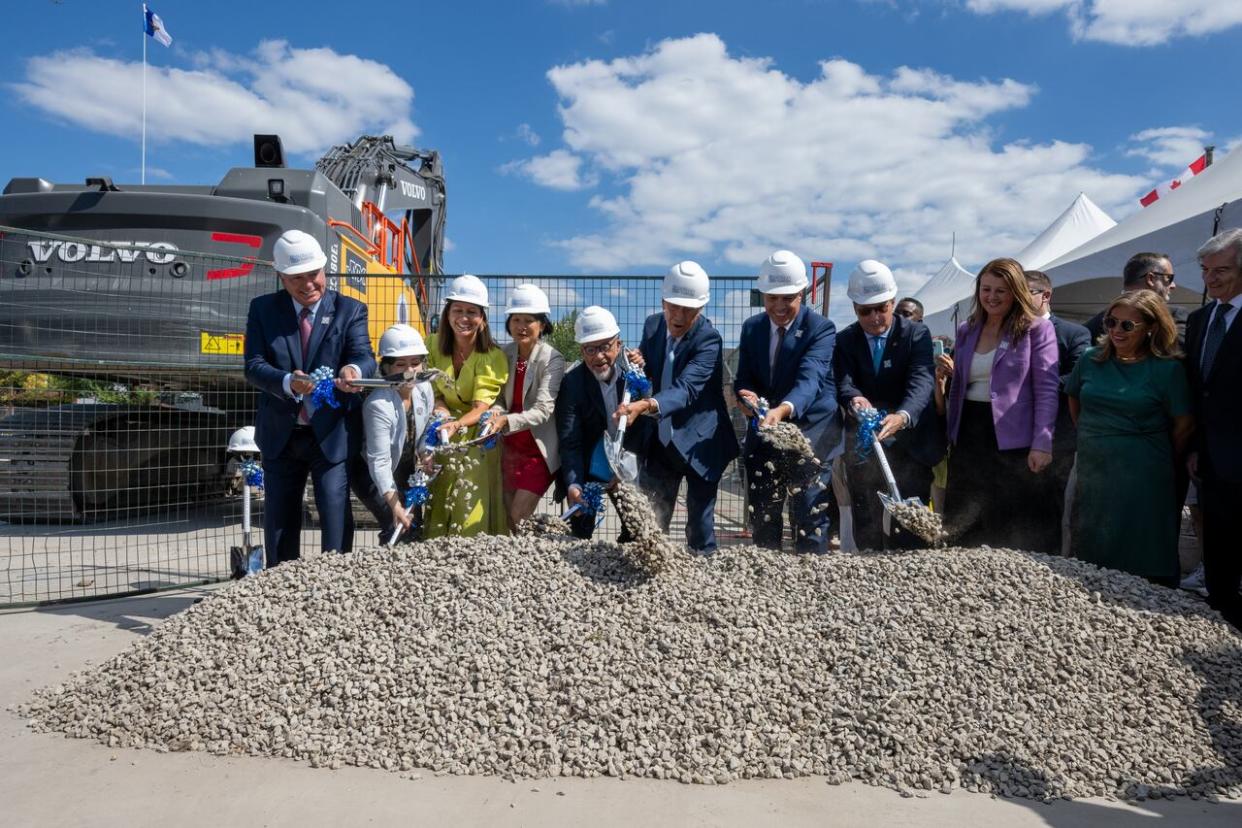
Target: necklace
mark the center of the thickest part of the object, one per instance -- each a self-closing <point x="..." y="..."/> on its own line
<point x="1130" y="359"/>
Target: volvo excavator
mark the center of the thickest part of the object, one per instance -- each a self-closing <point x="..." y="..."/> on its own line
<point x="146" y="288"/>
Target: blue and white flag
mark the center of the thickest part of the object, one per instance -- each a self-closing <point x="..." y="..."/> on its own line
<point x="155" y="27"/>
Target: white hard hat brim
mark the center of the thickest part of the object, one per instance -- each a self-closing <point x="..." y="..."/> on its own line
<point x="782" y="290"/>
<point x="598" y="337"/>
<point x="308" y="266"/>
<point x="410" y="351"/>
<point x="469" y="300"/>
<point x="682" y="301"/>
<point x="873" y="298"/>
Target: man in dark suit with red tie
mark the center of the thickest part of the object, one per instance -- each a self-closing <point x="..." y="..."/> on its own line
<point x="1214" y="366"/>
<point x="289" y="334"/>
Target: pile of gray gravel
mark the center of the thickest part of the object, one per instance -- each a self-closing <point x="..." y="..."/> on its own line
<point x="981" y="669"/>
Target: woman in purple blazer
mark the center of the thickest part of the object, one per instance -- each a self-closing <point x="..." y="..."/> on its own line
<point x="1002" y="409"/>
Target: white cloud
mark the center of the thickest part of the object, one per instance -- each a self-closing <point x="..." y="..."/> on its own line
<point x="559" y="169"/>
<point x="1129" y="22"/>
<point x="1174" y="146"/>
<point x="527" y="135"/>
<point x="311" y="97"/>
<point x="724" y="159"/>
<point x="573" y="4"/>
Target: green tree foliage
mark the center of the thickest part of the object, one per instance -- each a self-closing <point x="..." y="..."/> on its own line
<point x="562" y="338"/>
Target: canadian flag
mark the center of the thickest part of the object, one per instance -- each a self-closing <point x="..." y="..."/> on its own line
<point x="1197" y="166"/>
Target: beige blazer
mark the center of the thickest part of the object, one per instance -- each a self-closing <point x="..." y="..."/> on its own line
<point x="544" y="371"/>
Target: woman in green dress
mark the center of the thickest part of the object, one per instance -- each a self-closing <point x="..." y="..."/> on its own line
<point x="1130" y="400"/>
<point x="466" y="497"/>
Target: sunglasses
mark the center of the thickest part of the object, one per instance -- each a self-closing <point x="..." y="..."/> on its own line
<point x="1167" y="278"/>
<point x="868" y="310"/>
<point x="1126" y="325"/>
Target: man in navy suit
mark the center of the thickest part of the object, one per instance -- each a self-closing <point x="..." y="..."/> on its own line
<point x="884" y="362"/>
<point x="785" y="357"/>
<point x="688" y="434"/>
<point x="589" y="394"/>
<point x="1073" y="340"/>
<point x="1214" y="366"/>
<point x="290" y="333"/>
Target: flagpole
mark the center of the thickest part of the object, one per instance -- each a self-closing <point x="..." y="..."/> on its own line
<point x="144" y="93"/>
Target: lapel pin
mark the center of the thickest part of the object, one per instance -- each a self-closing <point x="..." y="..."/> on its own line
<point x="888" y="363"/>
<point x="798" y="334"/>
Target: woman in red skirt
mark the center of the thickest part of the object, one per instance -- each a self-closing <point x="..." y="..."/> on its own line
<point x="536" y="368"/>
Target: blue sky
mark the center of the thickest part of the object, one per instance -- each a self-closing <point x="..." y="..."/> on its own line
<point x="621" y="136"/>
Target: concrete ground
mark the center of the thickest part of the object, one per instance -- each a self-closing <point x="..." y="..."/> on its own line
<point x="46" y="779"/>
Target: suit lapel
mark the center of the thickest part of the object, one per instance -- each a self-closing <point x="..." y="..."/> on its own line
<point x="594" y="394"/>
<point x="764" y="334"/>
<point x="319" y="326"/>
<point x="655" y="371"/>
<point x="289" y="322"/>
<point x="534" y="366"/>
<point x="784" y="357"/>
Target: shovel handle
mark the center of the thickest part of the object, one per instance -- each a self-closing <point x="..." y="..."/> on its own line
<point x="884" y="467"/>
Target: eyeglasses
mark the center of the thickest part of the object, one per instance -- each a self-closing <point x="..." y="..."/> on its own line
<point x="1167" y="278"/>
<point x="1126" y="325"/>
<point x="1037" y="291"/>
<point x="596" y="350"/>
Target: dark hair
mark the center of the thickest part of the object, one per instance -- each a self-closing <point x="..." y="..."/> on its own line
<point x="1039" y="279"/>
<point x="483" y="341"/>
<point x="545" y="324"/>
<point x="386" y="362"/>
<point x="912" y="301"/>
<point x="1139" y="266"/>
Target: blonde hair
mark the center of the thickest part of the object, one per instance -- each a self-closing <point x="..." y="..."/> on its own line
<point x="1023" y="313"/>
<point x="1161" y="339"/>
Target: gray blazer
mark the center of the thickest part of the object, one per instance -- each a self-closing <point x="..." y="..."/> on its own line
<point x="544" y="371"/>
<point x="383" y="418"/>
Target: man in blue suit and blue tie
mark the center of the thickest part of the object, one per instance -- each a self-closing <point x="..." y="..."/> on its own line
<point x="785" y="357"/>
<point x="884" y="362"/>
<point x="688" y="434"/>
<point x="290" y="333"/>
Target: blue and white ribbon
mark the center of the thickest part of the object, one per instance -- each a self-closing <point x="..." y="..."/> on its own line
<point x="592" y="502"/>
<point x="431" y="436"/>
<point x="252" y="473"/>
<point x="417" y="495"/>
<point x="761" y="411"/>
<point x="636" y="382"/>
<point x="490" y="442"/>
<point x="325" y="387"/>
<point x="869" y="423"/>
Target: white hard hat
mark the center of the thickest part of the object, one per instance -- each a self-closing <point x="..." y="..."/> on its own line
<point x="401" y="341"/>
<point x="782" y="273"/>
<point x="297" y="252"/>
<point x="467" y="288"/>
<point x="871" y="283"/>
<point x="593" y="324"/>
<point x="528" y="299"/>
<point x="685" y="285"/>
<point x="243" y="442"/>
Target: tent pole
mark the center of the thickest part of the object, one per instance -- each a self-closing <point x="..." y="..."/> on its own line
<point x="1208" y="153"/>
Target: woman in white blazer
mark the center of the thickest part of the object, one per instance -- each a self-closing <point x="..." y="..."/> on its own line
<point x="524" y="410"/>
<point x="394" y="420"/>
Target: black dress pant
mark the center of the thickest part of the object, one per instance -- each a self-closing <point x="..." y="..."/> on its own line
<point x="865" y="479"/>
<point x="662" y="472"/>
<point x="1222" y="551"/>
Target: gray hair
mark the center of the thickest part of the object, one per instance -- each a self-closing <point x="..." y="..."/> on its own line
<point x="1223" y="240"/>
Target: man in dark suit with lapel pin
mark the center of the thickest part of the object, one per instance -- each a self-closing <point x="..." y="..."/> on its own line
<point x="884" y="362"/>
<point x="785" y="357"/>
<point x="290" y="333"/>
<point x="1073" y="340"/>
<point x="585" y="404"/>
<point x="688" y="434"/>
<point x="1214" y="367"/>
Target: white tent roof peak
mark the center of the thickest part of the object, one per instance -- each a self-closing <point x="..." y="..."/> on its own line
<point x="1079" y="223"/>
<point x="950" y="284"/>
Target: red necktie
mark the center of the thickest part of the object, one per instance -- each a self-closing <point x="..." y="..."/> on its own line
<point x="304" y="323"/>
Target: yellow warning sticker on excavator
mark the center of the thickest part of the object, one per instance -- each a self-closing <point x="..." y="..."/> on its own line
<point x="221" y="343"/>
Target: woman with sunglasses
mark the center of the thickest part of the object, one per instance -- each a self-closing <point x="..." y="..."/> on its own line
<point x="1131" y="401"/>
<point x="1001" y="410"/>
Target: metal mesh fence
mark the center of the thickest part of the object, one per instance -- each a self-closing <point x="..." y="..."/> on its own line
<point x="121" y="381"/>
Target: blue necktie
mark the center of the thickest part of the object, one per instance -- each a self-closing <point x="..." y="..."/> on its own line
<point x="877" y="352"/>
<point x="666" y="381"/>
<point x="1215" y="336"/>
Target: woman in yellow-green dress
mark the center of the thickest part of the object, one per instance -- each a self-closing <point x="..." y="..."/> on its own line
<point x="466" y="497"/>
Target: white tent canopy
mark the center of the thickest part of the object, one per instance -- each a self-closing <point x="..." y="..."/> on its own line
<point x="1176" y="225"/>
<point x="949" y="294"/>
<point x="1081" y="222"/>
